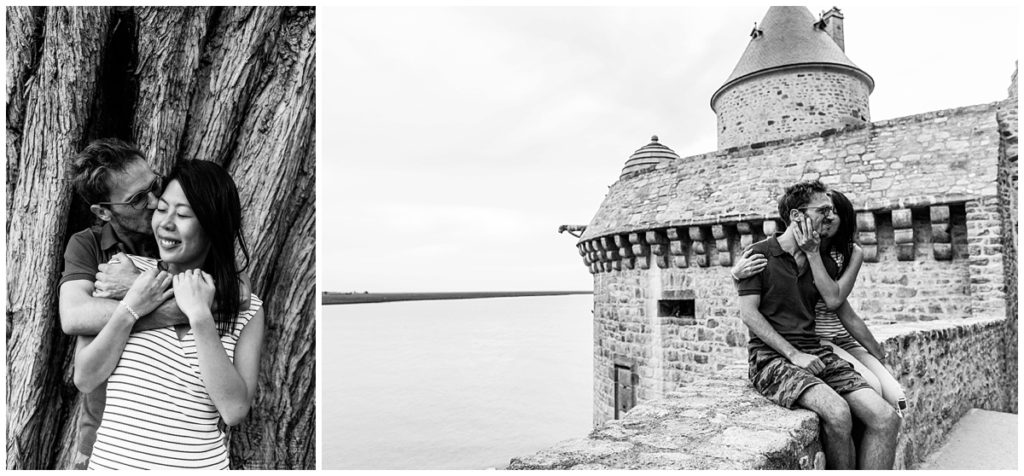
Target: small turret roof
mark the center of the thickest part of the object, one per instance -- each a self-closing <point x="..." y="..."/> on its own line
<point x="788" y="37"/>
<point x="648" y="157"/>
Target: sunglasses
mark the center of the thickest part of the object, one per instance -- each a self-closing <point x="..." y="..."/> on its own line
<point x="824" y="210"/>
<point x="141" y="200"/>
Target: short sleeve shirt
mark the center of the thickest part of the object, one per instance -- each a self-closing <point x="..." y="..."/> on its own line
<point x="788" y="295"/>
<point x="85" y="252"/>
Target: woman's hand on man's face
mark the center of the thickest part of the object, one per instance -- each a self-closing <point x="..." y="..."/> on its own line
<point x="194" y="291"/>
<point x="149" y="290"/>
<point x="808" y="233"/>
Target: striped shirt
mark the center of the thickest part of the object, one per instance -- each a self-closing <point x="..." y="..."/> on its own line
<point x="826" y="322"/>
<point x="158" y="414"/>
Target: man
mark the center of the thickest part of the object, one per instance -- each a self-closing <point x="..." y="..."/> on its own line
<point x="788" y="365"/>
<point x="122" y="192"/>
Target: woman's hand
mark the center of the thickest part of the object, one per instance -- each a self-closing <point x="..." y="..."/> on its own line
<point x="148" y="291"/>
<point x="749" y="264"/>
<point x="194" y="290"/>
<point x="808" y="234"/>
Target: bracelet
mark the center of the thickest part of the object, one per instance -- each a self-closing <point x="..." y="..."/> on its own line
<point x="734" y="278"/>
<point x="130" y="310"/>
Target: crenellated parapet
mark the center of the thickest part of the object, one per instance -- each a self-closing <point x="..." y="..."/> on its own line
<point x="936" y="232"/>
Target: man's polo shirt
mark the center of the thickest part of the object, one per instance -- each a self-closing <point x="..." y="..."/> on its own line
<point x="788" y="295"/>
<point x="86" y="250"/>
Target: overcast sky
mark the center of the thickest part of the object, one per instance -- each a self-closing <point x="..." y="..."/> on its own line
<point x="455" y="140"/>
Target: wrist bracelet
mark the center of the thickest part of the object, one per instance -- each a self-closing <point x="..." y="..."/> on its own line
<point x="130" y="310"/>
<point x="734" y="278"/>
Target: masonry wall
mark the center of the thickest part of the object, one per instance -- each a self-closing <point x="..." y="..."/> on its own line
<point x="789" y="103"/>
<point x="1008" y="194"/>
<point x="720" y="422"/>
<point x="930" y="221"/>
<point x="943" y="156"/>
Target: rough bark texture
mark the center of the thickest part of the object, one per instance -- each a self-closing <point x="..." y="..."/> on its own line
<point x="230" y="84"/>
<point x="56" y="116"/>
<point x="170" y="42"/>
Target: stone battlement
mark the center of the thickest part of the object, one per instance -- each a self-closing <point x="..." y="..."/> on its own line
<point x="719" y="421"/>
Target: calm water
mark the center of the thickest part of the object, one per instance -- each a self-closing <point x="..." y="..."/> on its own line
<point x="462" y="384"/>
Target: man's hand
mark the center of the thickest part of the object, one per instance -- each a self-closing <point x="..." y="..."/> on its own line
<point x="115" y="277"/>
<point x="807" y="362"/>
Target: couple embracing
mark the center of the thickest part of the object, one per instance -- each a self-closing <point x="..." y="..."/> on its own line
<point x="168" y="335"/>
<point x="808" y="347"/>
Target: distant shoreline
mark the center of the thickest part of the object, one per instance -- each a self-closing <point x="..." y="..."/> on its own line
<point x="361" y="298"/>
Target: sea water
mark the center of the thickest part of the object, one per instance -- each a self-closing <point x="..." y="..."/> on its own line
<point x="454" y="384"/>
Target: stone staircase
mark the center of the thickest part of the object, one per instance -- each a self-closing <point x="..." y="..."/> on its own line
<point x="982" y="439"/>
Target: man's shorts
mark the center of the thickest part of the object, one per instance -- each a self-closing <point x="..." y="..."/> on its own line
<point x="782" y="382"/>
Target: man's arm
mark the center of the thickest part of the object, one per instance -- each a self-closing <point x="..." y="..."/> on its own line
<point x="80" y="313"/>
<point x="84" y="315"/>
<point x="859" y="330"/>
<point x="752" y="317"/>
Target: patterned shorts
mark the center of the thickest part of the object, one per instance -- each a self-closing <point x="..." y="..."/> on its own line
<point x="783" y="383"/>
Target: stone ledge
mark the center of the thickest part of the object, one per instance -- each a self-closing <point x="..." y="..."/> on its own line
<point x="720" y="422"/>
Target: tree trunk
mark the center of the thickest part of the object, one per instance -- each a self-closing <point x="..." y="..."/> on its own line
<point x="60" y="96"/>
<point x="230" y="84"/>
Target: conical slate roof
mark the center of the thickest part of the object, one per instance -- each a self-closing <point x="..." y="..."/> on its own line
<point x="648" y="157"/>
<point x="789" y="38"/>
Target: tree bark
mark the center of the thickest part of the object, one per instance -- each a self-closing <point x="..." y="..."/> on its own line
<point x="279" y="197"/>
<point x="56" y="116"/>
<point x="227" y="80"/>
<point x="170" y="42"/>
<point x="230" y="84"/>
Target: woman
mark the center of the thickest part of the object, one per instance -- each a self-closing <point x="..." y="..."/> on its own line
<point x="836" y="238"/>
<point x="168" y="389"/>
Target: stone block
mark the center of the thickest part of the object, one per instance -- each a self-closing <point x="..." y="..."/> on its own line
<point x="662" y="260"/>
<point x="870" y="252"/>
<point x="696" y="234"/>
<point x="867" y="237"/>
<point x="866" y="221"/>
<point x="903" y="235"/>
<point x="770" y="227"/>
<point x="644" y="262"/>
<point x="939" y="213"/>
<point x="655" y="237"/>
<point x="681" y="261"/>
<point x="677" y="248"/>
<point x="901" y="218"/>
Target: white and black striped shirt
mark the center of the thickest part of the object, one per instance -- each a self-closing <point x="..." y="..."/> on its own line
<point x="158" y="414"/>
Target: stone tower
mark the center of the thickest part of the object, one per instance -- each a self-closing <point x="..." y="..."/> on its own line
<point x="793" y="78"/>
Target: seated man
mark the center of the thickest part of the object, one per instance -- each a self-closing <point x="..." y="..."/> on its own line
<point x="788" y="365"/>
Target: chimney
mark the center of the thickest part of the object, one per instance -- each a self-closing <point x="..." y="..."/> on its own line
<point x="833" y="20"/>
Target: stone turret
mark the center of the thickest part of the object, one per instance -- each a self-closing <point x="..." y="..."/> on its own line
<point x="794" y="78"/>
<point x="648" y="157"/>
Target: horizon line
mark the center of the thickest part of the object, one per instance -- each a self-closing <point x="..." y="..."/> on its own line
<point x="330" y="298"/>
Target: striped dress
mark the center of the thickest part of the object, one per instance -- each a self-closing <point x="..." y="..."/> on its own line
<point x="826" y="322"/>
<point x="158" y="414"/>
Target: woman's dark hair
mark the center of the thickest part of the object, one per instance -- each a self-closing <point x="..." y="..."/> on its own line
<point x="214" y="199"/>
<point x="844" y="238"/>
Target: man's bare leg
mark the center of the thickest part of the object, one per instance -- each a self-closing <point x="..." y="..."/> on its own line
<point x="837" y="423"/>
<point x="881" y="427"/>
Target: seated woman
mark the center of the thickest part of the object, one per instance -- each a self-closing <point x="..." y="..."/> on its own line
<point x="835" y="319"/>
<point x="169" y="389"/>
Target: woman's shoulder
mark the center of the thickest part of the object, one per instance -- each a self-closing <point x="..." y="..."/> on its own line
<point x="246" y="315"/>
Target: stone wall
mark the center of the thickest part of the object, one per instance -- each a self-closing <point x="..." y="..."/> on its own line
<point x="1007" y="117"/>
<point x="788" y="103"/>
<point x="720" y="422"/>
<point x="939" y="157"/>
